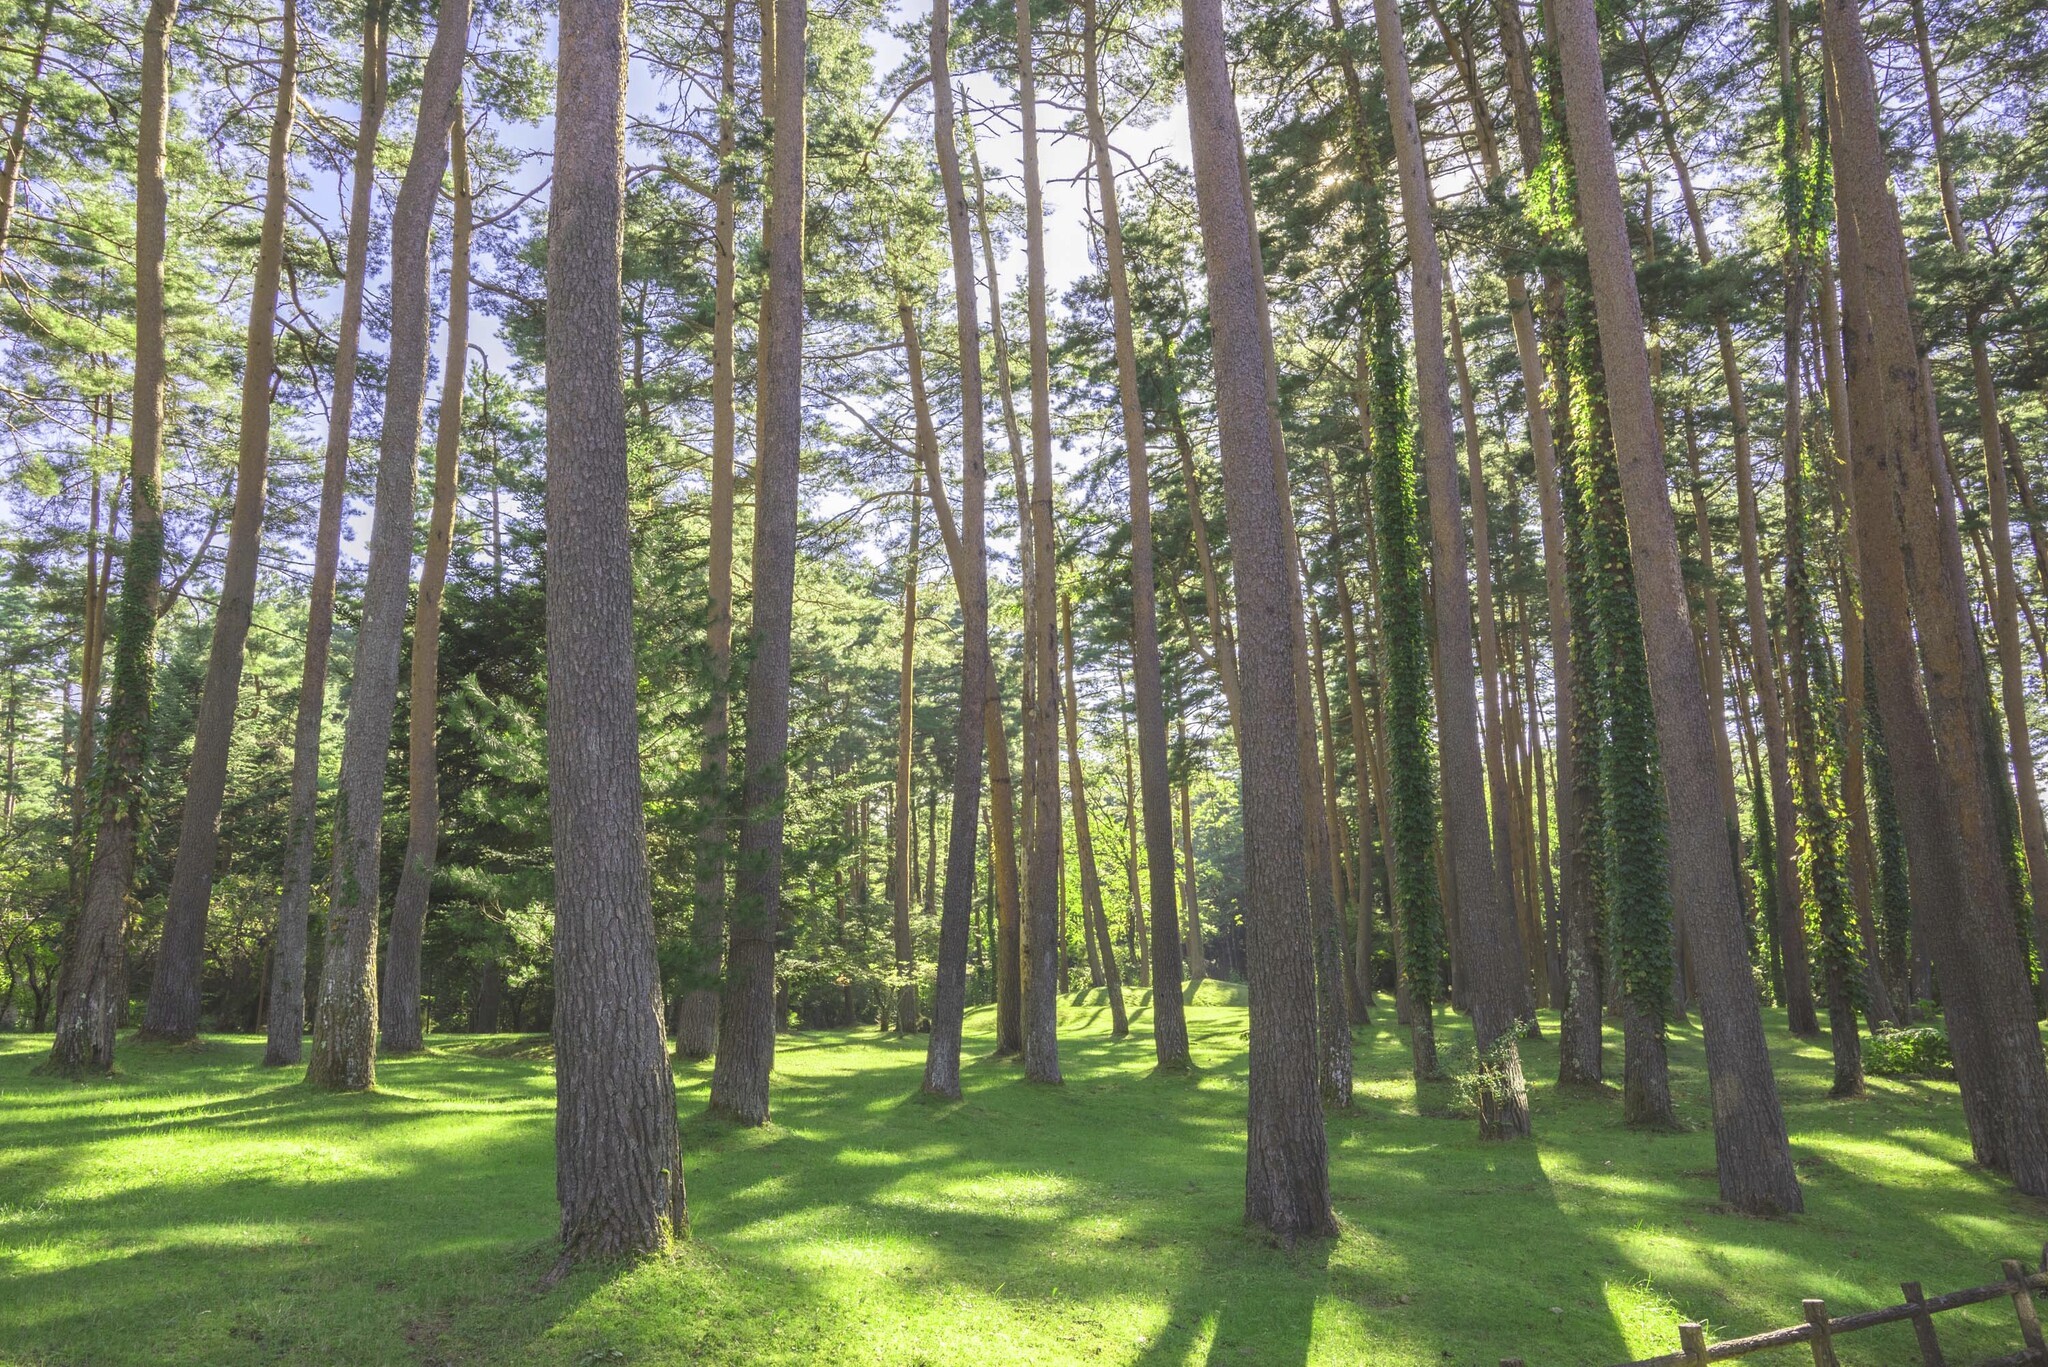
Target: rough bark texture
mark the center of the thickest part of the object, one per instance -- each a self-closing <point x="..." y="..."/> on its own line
<point x="345" y="1017"/>
<point x="618" y="1158"/>
<point x="1001" y="796"/>
<point x="1287" y="1184"/>
<point x="92" y="987"/>
<point x="1909" y="562"/>
<point x="1798" y="976"/>
<point x="1489" y="942"/>
<point x="399" y="1003"/>
<point x="978" y="725"/>
<point x="287" y="1026"/>
<point x="173" y="1011"/>
<point x="697" y="1006"/>
<point x="1169" y="1017"/>
<point x="1042" y="921"/>
<point x="746" y="1028"/>
<point x="1998" y="499"/>
<point x="1501" y="805"/>
<point x="1753" y="1159"/>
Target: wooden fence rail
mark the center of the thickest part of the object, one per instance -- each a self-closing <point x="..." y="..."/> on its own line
<point x="1819" y="1332"/>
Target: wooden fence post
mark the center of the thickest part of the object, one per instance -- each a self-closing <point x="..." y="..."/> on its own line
<point x="1823" y="1343"/>
<point x="1923" y="1326"/>
<point x="1692" y="1341"/>
<point x="2023" y="1306"/>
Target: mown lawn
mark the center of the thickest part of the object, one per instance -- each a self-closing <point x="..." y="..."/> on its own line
<point x="200" y="1209"/>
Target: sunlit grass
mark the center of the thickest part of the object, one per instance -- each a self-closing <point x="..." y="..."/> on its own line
<point x="201" y="1209"/>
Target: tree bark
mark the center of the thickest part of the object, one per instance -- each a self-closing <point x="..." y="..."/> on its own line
<point x="697" y="1007"/>
<point x="2004" y="586"/>
<point x="1287" y="1187"/>
<point x="1752" y="1156"/>
<point x="1909" y="562"/>
<point x="1866" y="868"/>
<point x="173" y="1011"/>
<point x="92" y="987"/>
<point x="618" y="1158"/>
<point x="1501" y="804"/>
<point x="979" y="724"/>
<point x="746" y="1026"/>
<point x="1169" y="1020"/>
<point x="287" y="1025"/>
<point x="345" y="1018"/>
<point x="1002" y="797"/>
<point x="1498" y="980"/>
<point x="1041" y="734"/>
<point x="402" y="1016"/>
<point x="1799" y="1005"/>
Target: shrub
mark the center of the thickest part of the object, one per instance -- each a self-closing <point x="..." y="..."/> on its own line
<point x="1920" y="1051"/>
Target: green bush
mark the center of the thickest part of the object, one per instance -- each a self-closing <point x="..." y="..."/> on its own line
<point x="1920" y="1051"/>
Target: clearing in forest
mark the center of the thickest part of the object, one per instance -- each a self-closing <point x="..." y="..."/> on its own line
<point x="199" y="1209"/>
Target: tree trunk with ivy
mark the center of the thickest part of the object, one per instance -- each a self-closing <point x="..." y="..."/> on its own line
<point x="92" y="987"/>
<point x="1753" y="1157"/>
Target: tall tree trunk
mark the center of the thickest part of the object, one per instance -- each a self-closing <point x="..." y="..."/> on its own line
<point x="1223" y="643"/>
<point x="1799" y="1007"/>
<point x="979" y="724"/>
<point x="1818" y="753"/>
<point x="1499" y="983"/>
<point x="1710" y="656"/>
<point x="1752" y="1156"/>
<point x="1041" y="734"/>
<point x="1287" y="1185"/>
<point x="902" y="834"/>
<point x="399" y="1005"/>
<point x="173" y="1012"/>
<point x="288" y="945"/>
<point x="1169" y="1021"/>
<point x="1909" y="558"/>
<point x="697" y="1006"/>
<point x="618" y="1157"/>
<point x="1096" y="921"/>
<point x="2004" y="586"/>
<point x="345" y="1017"/>
<point x="92" y="988"/>
<point x="1580" y="1050"/>
<point x="1866" y="867"/>
<point x="1001" y="795"/>
<point x="1500" y="801"/>
<point x="746" y="1026"/>
<point x="99" y="575"/>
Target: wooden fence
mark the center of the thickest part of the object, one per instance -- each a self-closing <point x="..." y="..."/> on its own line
<point x="1819" y="1332"/>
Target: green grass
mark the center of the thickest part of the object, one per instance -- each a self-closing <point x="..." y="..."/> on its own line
<point x="200" y="1209"/>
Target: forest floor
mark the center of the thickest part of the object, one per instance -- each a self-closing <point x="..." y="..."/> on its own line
<point x="200" y="1209"/>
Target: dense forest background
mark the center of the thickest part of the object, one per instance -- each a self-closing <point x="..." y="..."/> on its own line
<point x="1431" y="280"/>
